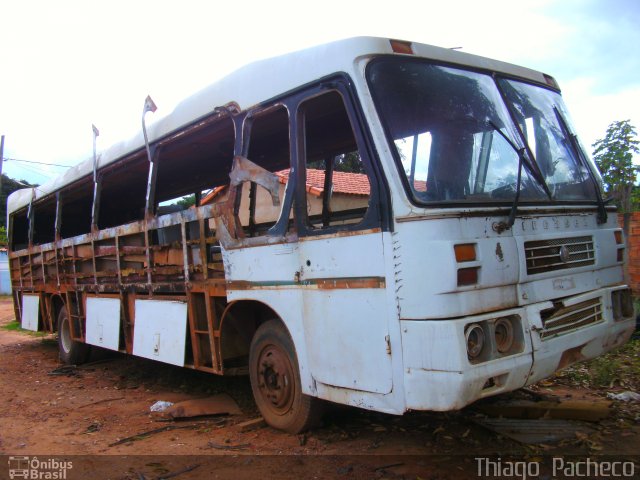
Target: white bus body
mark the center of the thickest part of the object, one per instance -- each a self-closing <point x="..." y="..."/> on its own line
<point x="462" y="251"/>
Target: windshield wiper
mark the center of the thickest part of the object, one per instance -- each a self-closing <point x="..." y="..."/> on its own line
<point x="534" y="168"/>
<point x="573" y="140"/>
<point x="521" y="159"/>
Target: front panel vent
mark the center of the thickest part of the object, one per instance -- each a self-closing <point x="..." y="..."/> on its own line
<point x="559" y="254"/>
<point x="561" y="319"/>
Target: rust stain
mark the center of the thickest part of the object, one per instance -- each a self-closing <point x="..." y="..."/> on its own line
<point x="571" y="356"/>
<point x="350" y="283"/>
<point x="314" y="284"/>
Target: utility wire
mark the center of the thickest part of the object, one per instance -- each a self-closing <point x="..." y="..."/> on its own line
<point x="32" y="161"/>
<point x="35" y="169"/>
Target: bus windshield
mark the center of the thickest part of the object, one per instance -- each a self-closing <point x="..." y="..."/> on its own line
<point x="456" y="140"/>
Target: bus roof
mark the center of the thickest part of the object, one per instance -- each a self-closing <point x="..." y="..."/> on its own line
<point x="258" y="82"/>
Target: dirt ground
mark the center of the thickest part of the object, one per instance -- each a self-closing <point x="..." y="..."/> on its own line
<point x="85" y="411"/>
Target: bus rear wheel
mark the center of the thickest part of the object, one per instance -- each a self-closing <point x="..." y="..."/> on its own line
<point x="71" y="351"/>
<point x="275" y="381"/>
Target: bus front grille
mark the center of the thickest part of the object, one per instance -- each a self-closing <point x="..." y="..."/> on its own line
<point x="561" y="319"/>
<point x="558" y="254"/>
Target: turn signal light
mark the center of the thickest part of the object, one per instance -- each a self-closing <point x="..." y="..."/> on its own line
<point x="465" y="252"/>
<point x="618" y="235"/>
<point x="467" y="276"/>
<point x="620" y="243"/>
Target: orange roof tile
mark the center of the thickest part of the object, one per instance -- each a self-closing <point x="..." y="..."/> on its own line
<point x="346" y="183"/>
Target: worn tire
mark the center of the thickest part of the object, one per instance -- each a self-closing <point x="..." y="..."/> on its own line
<point x="275" y="381"/>
<point x="70" y="351"/>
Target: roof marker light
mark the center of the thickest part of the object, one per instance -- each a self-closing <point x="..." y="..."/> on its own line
<point x="551" y="81"/>
<point x="401" y="46"/>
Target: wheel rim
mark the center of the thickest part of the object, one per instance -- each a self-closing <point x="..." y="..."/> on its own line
<point x="275" y="379"/>
<point x="65" y="335"/>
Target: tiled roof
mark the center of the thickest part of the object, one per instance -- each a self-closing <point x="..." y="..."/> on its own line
<point x="212" y="194"/>
<point x="346" y="183"/>
<point x="420" y="185"/>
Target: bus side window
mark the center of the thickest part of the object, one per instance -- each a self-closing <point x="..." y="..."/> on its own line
<point x="338" y="189"/>
<point x="268" y="148"/>
<point x="19" y="229"/>
<point x="76" y="206"/>
<point x="123" y="193"/>
<point x="44" y="219"/>
<point x="197" y="162"/>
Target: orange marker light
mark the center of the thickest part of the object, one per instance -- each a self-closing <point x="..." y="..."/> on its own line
<point x="400" y="46"/>
<point x="465" y="252"/>
<point x="618" y="235"/>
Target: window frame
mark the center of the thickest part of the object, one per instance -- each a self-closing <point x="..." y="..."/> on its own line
<point x="280" y="226"/>
<point x="378" y="213"/>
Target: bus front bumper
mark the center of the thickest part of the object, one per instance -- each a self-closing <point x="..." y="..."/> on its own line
<point x="438" y="374"/>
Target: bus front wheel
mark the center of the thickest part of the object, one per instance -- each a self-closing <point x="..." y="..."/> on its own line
<point x="71" y="351"/>
<point x="275" y="381"/>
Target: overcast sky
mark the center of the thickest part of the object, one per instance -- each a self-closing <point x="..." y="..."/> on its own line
<point x="66" y="65"/>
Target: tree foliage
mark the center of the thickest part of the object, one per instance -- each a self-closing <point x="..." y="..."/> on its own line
<point x="614" y="156"/>
<point x="186" y="202"/>
<point x="349" y="162"/>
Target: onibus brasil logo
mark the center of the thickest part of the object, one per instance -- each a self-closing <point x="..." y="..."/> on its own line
<point x="34" y="468"/>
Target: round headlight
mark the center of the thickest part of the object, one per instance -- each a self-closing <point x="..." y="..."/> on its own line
<point x="503" y="331"/>
<point x="474" y="335"/>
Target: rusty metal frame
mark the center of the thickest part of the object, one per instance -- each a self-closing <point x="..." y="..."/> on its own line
<point x="126" y="262"/>
<point x="81" y="264"/>
<point x="229" y="230"/>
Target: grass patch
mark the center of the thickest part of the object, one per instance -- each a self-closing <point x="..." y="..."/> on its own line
<point x="12" y="327"/>
<point x="619" y="368"/>
<point x="15" y="327"/>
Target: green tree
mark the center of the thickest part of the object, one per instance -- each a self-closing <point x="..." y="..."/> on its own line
<point x="349" y="162"/>
<point x="614" y="156"/>
<point x="186" y="202"/>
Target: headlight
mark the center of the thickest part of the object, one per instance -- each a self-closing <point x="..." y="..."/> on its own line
<point x="622" y="304"/>
<point x="503" y="332"/>
<point x="474" y="335"/>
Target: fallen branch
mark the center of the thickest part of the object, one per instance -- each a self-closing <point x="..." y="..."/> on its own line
<point x="68" y="370"/>
<point x="143" y="435"/>
<point x="179" y="472"/>
<point x="241" y="446"/>
<point x="384" y="467"/>
<point x="101" y="401"/>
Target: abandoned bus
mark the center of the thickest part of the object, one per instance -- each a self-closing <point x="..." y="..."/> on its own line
<point x="371" y="222"/>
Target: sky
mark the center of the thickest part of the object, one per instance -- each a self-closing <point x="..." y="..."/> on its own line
<point x="66" y="65"/>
